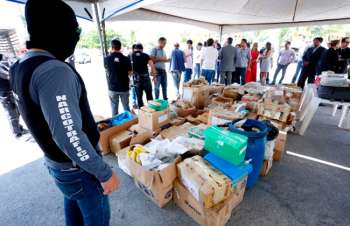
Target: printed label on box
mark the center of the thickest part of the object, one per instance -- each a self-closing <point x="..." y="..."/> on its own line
<point x="162" y="118"/>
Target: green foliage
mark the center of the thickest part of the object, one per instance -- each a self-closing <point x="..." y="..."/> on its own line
<point x="91" y="39"/>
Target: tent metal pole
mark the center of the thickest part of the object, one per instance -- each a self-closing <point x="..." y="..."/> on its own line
<point x="220" y="33"/>
<point x="99" y="30"/>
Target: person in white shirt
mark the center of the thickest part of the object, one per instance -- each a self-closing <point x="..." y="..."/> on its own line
<point x="197" y="60"/>
<point x="188" y="61"/>
<point x="209" y="58"/>
<point x="285" y="57"/>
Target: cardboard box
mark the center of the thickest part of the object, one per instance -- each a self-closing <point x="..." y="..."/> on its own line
<point x="153" y="120"/>
<point x="274" y="111"/>
<point x="134" y="135"/>
<point x="206" y="184"/>
<point x="216" y="216"/>
<point x="197" y="95"/>
<point x="181" y="112"/>
<point x="120" y="140"/>
<point x="216" y="88"/>
<point x="280" y="145"/>
<point x="175" y="131"/>
<point x="177" y="121"/>
<point x="222" y="101"/>
<point x="106" y="135"/>
<point x="122" y="158"/>
<point x="222" y="116"/>
<point x="265" y="169"/>
<point x="231" y="92"/>
<point x="156" y="185"/>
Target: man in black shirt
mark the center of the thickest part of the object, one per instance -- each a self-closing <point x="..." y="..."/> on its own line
<point x="312" y="62"/>
<point x="119" y="68"/>
<point x="8" y="101"/>
<point x="344" y="55"/>
<point x="142" y="81"/>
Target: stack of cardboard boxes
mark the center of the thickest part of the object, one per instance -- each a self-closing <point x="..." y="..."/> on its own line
<point x="202" y="187"/>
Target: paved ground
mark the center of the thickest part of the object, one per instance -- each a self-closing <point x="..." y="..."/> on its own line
<point x="296" y="192"/>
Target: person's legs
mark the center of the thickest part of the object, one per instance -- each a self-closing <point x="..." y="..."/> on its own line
<point x="83" y="188"/>
<point x="158" y="83"/>
<point x="148" y="88"/>
<point x="223" y="79"/>
<point x="303" y="77"/>
<point x="176" y="78"/>
<point x="297" y="71"/>
<point x="124" y="97"/>
<point x="188" y="74"/>
<point x="229" y="77"/>
<point x="197" y="70"/>
<point x="205" y="74"/>
<point x="95" y="208"/>
<point x="311" y="77"/>
<point x="235" y="76"/>
<point x="139" y="94"/>
<point x="278" y="69"/>
<point x="210" y="76"/>
<point x="242" y="72"/>
<point x="133" y="97"/>
<point x="164" y="84"/>
<point x="113" y="96"/>
<point x="284" y="71"/>
<point x="72" y="213"/>
<point x="8" y="102"/>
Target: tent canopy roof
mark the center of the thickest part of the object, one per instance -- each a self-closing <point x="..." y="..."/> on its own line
<point x="212" y="14"/>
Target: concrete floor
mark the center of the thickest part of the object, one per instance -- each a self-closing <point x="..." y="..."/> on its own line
<point x="296" y="192"/>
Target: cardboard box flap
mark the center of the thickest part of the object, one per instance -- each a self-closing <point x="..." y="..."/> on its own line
<point x="167" y="175"/>
<point x="164" y="177"/>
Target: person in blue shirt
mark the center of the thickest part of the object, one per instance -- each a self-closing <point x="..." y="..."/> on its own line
<point x="177" y="66"/>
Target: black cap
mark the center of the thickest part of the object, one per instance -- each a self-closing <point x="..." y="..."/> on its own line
<point x="52" y="26"/>
<point x="138" y="46"/>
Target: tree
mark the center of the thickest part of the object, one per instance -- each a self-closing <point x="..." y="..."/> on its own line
<point x="91" y="39"/>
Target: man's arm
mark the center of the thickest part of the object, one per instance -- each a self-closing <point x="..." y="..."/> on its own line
<point x="292" y="57"/>
<point x="57" y="90"/>
<point x="4" y="74"/>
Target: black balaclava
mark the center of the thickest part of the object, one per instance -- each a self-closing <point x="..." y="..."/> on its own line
<point x="52" y="26"/>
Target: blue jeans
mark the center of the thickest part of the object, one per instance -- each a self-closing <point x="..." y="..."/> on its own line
<point x="208" y="75"/>
<point x="161" y="81"/>
<point x="177" y="79"/>
<point x="297" y="71"/>
<point x="84" y="201"/>
<point x="239" y="75"/>
<point x="217" y="72"/>
<point x="278" y="69"/>
<point x="114" y="97"/>
<point x="188" y="74"/>
<point x="197" y="70"/>
<point x="133" y="96"/>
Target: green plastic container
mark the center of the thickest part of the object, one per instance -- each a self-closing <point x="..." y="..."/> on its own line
<point x="225" y="144"/>
<point x="163" y="104"/>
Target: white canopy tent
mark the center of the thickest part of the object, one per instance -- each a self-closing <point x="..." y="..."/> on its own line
<point x="223" y="16"/>
<point x="243" y="15"/>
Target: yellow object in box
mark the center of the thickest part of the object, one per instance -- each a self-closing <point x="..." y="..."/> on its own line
<point x="134" y="153"/>
<point x="206" y="184"/>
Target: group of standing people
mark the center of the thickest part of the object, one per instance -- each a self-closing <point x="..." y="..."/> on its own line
<point x="132" y="71"/>
<point x="227" y="65"/>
